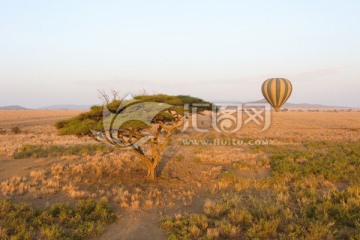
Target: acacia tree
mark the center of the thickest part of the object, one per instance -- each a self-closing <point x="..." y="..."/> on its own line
<point x="143" y="124"/>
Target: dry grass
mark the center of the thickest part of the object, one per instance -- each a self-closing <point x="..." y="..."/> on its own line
<point x="190" y="174"/>
<point x="24" y="118"/>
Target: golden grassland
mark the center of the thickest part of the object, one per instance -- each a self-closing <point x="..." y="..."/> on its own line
<point x="193" y="177"/>
<point x="11" y="118"/>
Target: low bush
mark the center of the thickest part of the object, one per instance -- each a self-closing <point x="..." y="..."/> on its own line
<point x="263" y="215"/>
<point x="334" y="161"/>
<point x="2" y="131"/>
<point x="42" y="151"/>
<point x="15" y="130"/>
<point x="59" y="221"/>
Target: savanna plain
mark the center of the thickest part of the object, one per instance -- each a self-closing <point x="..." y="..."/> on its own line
<point x="300" y="179"/>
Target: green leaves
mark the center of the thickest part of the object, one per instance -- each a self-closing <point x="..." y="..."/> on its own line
<point x="42" y="151"/>
<point x="137" y="113"/>
<point x="59" y="221"/>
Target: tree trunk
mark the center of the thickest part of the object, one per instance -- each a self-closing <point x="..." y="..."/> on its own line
<point x="151" y="174"/>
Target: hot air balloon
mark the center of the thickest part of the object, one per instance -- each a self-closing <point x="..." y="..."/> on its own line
<point x="276" y="91"/>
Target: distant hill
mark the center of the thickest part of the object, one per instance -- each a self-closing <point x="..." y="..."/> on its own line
<point x="66" y="107"/>
<point x="300" y="105"/>
<point x="307" y="105"/>
<point x="13" y="107"/>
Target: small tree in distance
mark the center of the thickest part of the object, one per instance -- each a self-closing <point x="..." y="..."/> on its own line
<point x="143" y="124"/>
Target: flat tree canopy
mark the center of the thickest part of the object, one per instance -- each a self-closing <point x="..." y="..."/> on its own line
<point x="94" y="119"/>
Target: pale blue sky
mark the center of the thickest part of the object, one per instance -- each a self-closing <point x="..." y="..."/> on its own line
<point x="59" y="52"/>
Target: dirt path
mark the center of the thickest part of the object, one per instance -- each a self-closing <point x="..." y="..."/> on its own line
<point x="136" y="226"/>
<point x="145" y="224"/>
<point x="10" y="167"/>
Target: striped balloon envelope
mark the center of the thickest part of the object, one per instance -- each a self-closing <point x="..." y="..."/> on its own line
<point x="276" y="91"/>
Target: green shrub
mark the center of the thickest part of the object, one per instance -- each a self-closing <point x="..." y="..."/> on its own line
<point x="335" y="161"/>
<point x="42" y="151"/>
<point x="260" y="215"/>
<point x="59" y="221"/>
